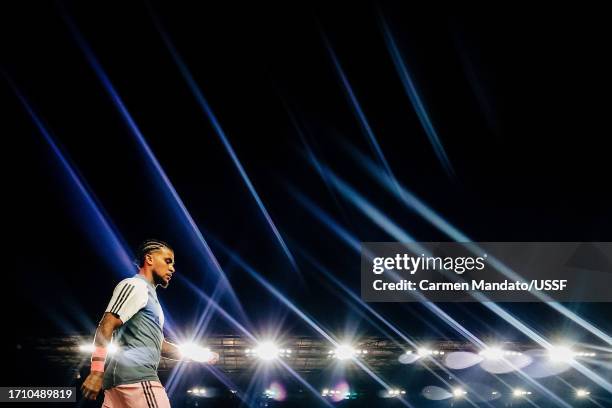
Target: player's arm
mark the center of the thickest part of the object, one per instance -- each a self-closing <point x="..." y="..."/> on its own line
<point x="104" y="334"/>
<point x="171" y="351"/>
<point x="129" y="297"/>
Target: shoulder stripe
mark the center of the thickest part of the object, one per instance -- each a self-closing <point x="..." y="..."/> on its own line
<point x="123" y="289"/>
<point x="123" y="298"/>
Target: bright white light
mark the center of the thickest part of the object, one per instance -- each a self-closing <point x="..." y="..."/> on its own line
<point x="200" y="392"/>
<point x="344" y="352"/>
<point x="425" y="352"/>
<point x="335" y="393"/>
<point x="492" y="353"/>
<point x="561" y="354"/>
<point x="395" y="393"/>
<point x="86" y="348"/>
<point x="194" y="352"/>
<point x="90" y="347"/>
<point x="520" y="393"/>
<point x="497" y="353"/>
<point x="267" y="351"/>
<point x="582" y="393"/>
<point x="459" y="392"/>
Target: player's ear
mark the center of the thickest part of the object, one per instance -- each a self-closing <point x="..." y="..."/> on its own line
<point x="149" y="259"/>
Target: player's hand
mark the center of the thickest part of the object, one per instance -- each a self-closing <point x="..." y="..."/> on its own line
<point x="92" y="385"/>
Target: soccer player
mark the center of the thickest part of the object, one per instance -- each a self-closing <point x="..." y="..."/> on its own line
<point x="136" y="320"/>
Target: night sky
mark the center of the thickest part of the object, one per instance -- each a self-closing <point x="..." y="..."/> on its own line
<point x="518" y="100"/>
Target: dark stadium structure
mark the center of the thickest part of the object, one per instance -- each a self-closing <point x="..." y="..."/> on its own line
<point x="312" y="359"/>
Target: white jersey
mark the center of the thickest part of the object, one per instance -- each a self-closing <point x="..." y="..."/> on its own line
<point x="139" y="339"/>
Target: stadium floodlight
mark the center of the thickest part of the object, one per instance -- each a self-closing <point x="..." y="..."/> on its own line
<point x="346" y="352"/>
<point x="395" y="393"/>
<point x="518" y="392"/>
<point x="330" y="392"/>
<point x="492" y="353"/>
<point x="459" y="393"/>
<point x="497" y="353"/>
<point x="338" y="394"/>
<point x="426" y="352"/>
<point x="582" y="393"/>
<point x="561" y="354"/>
<point x="266" y="351"/>
<point x="198" y="392"/>
<point x="195" y="352"/>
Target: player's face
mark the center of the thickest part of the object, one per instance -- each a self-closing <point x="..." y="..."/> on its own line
<point x="163" y="266"/>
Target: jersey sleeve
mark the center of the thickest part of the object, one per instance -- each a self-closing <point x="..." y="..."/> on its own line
<point x="128" y="298"/>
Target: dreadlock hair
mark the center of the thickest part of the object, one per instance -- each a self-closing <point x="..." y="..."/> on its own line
<point x="148" y="246"/>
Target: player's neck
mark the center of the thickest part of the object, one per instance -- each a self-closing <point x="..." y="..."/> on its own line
<point x="148" y="275"/>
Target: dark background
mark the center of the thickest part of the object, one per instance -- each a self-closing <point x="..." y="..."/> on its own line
<point x="517" y="97"/>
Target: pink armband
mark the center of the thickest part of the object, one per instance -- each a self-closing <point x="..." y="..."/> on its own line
<point x="97" y="359"/>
